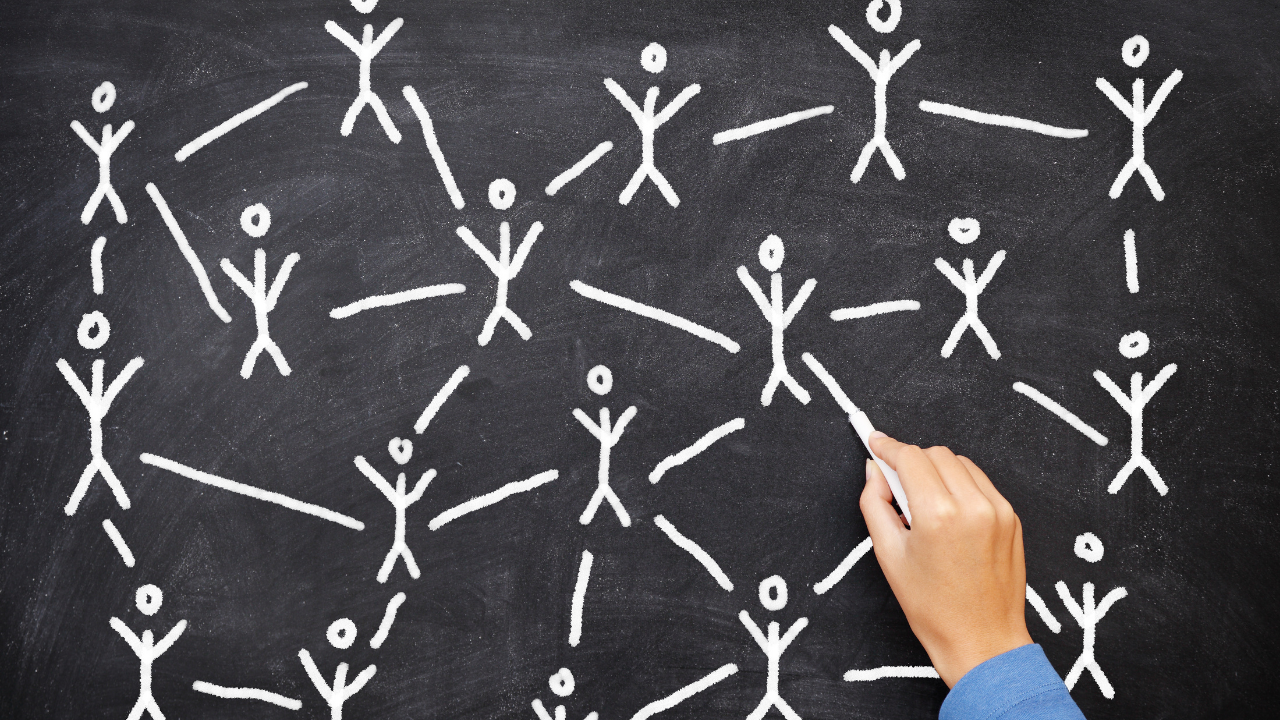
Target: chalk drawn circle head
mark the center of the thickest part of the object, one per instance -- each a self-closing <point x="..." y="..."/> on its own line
<point x="561" y="683"/>
<point x="502" y="194"/>
<point x="1134" y="345"/>
<point x="888" y="24"/>
<point x="1135" y="51"/>
<point x="964" y="230"/>
<point x="654" y="58"/>
<point x="773" y="593"/>
<point x="341" y="633"/>
<point x="94" y="330"/>
<point x="600" y="380"/>
<point x="104" y="96"/>
<point x="364" y="6"/>
<point x="772" y="253"/>
<point x="256" y="220"/>
<point x="401" y="450"/>
<point x="1088" y="547"/>
<point x="149" y="598"/>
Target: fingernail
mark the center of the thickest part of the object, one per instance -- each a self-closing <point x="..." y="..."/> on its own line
<point x="869" y="465"/>
<point x="877" y="434"/>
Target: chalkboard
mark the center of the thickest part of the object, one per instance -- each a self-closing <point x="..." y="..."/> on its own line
<point x="390" y="333"/>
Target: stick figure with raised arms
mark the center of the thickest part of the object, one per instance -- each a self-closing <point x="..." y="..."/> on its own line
<point x="600" y="380"/>
<point x="965" y="231"/>
<point x="366" y="49"/>
<point x="256" y="220"/>
<point x="502" y="194"/>
<point x="778" y="314"/>
<point x="341" y="634"/>
<point x="149" y="598"/>
<point x="1088" y="614"/>
<point x="401" y="451"/>
<point x="103" y="98"/>
<point x="1135" y="345"/>
<point x="773" y="596"/>
<point x="1135" y="53"/>
<point x="880" y="74"/>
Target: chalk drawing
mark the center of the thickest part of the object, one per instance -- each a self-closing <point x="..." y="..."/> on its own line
<point x="441" y="396"/>
<point x="964" y="230"/>
<point x="366" y="49"/>
<point x="773" y="595"/>
<point x="600" y="380"/>
<point x="972" y="287"/>
<point x="97" y="402"/>
<point x="652" y="313"/>
<point x="341" y="634"/>
<point x="484" y="501"/>
<point x="608" y="435"/>
<point x="103" y="98"/>
<point x="1061" y="412"/>
<point x="388" y="618"/>
<point x="1008" y="121"/>
<point x="579" y="167"/>
<point x="433" y="146"/>
<point x="264" y="301"/>
<point x="364" y="6"/>
<point x="94" y="330"/>
<point x="404" y="296"/>
<point x="149" y="599"/>
<point x="778" y="315"/>
<point x="696" y="551"/>
<point x="400" y="450"/>
<point x="236" y="121"/>
<point x="856" y="554"/>
<point x="685" y="692"/>
<point x="1037" y="603"/>
<point x="187" y="252"/>
<point x="1134" y="404"/>
<point x="765" y="126"/>
<point x="250" y="491"/>
<point x="1088" y="547"/>
<point x="687" y="454"/>
<point x="892" y="671"/>
<point x="400" y="499"/>
<point x="880" y="308"/>
<point x="95" y="264"/>
<point x="1130" y="261"/>
<point x="884" y="25"/>
<point x="880" y="74"/>
<point x="256" y="220"/>
<point x="1135" y="345"/>
<point x="230" y="693"/>
<point x="1088" y="615"/>
<point x="118" y="540"/>
<point x="504" y="266"/>
<point x="1135" y="53"/>
<point x="579" y="597"/>
<point x="562" y="685"/>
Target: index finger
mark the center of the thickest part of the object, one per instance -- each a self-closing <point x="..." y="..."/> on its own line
<point x="918" y="475"/>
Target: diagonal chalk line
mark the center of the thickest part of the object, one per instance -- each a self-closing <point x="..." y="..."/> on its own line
<point x="695" y="550"/>
<point x="236" y="121"/>
<point x="403" y="296"/>
<point x="695" y="449"/>
<point x="652" y="313"/>
<point x="764" y="126"/>
<point x="843" y="568"/>
<point x="484" y="501"/>
<point x="1001" y="120"/>
<point x="192" y="259"/>
<point x="246" y="694"/>
<point x="1061" y="412"/>
<point x="579" y="167"/>
<point x="438" y="401"/>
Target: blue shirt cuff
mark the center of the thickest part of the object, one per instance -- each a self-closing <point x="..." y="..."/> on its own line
<point x="1017" y="685"/>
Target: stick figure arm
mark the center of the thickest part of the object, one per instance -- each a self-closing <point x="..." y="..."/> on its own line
<point x="1105" y="381"/>
<point x="1163" y="92"/>
<point x="1110" y="599"/>
<point x="85" y="136"/>
<point x="1116" y="98"/>
<point x="522" y="252"/>
<point x="125" y="375"/>
<point x="236" y="277"/>
<point x="360" y="680"/>
<point x="754" y="288"/>
<point x="623" y="419"/>
<point x="674" y="106"/>
<point x="478" y="248"/>
<point x="849" y="47"/>
<point x="798" y="301"/>
<point x="1072" y="606"/>
<point x="904" y="56"/>
<point x="992" y="266"/>
<point x="1154" y="386"/>
<point x="134" y="642"/>
<point x="945" y="268"/>
<point x="74" y="382"/>
<point x="416" y="494"/>
<point x="343" y="37"/>
<point x="387" y="33"/>
<point x="540" y="710"/>
<point x="621" y="95"/>
<point x="588" y="423"/>
<point x="792" y="632"/>
<point x="168" y="640"/>
<point x="114" y="141"/>
<point x="282" y="277"/>
<point x="375" y="477"/>
<point x="314" y="673"/>
<point x="754" y="630"/>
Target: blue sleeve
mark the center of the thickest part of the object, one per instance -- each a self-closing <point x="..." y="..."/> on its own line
<point x="1018" y="685"/>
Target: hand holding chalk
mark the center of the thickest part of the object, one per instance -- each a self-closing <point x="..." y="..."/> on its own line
<point x="862" y="426"/>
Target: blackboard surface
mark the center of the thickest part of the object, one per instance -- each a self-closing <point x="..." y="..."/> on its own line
<point x="516" y="91"/>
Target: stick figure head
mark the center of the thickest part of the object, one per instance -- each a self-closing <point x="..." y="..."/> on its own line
<point x="148" y="599"/>
<point x="653" y="58"/>
<point x="600" y="380"/>
<point x="502" y="194"/>
<point x="341" y="633"/>
<point x="94" y="330"/>
<point x="888" y="24"/>
<point x="772" y="253"/>
<point x="1134" y="345"/>
<point x="964" y="230"/>
<point x="773" y="593"/>
<point x="561" y="683"/>
<point x="364" y="6"/>
<point x="104" y="96"/>
<point x="1135" y="51"/>
<point x="401" y="450"/>
<point x="1088" y="547"/>
<point x="256" y="220"/>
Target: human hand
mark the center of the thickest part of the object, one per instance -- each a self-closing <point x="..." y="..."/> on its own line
<point x="958" y="572"/>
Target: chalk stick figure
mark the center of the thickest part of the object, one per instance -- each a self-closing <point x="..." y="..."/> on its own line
<point x="341" y="634"/>
<point x="401" y="451"/>
<point x="1133" y="346"/>
<point x="1088" y="615"/>
<point x="264" y="300"/>
<point x="97" y="402"/>
<point x="773" y="596"/>
<point x="366" y="49"/>
<point x="562" y="685"/>
<point x="502" y="194"/>
<point x="778" y="314"/>
<point x="965" y="231"/>
<point x="103" y="98"/>
<point x="148" y="599"/>
<point x="881" y="73"/>
<point x="1135" y="53"/>
<point x="600" y="380"/>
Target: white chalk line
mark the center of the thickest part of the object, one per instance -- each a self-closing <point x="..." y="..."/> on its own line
<point x="579" y="167"/>
<point x="828" y="582"/>
<point x="250" y="491"/>
<point x="95" y="264"/>
<point x="1130" y="261"/>
<point x="579" y="597"/>
<point x="685" y="692"/>
<point x="404" y="296"/>
<point x="388" y="617"/>
<point x="442" y="395"/>
<point x="1042" y="610"/>
<point x="484" y="501"/>
<point x="880" y="308"/>
<point x="1061" y="412"/>
<point x="192" y="259"/>
<point x="236" y="121"/>
<point x="118" y="540"/>
<point x="892" y="671"/>
<point x="695" y="449"/>
<point x="832" y="386"/>
<point x="696" y="551"/>
<point x="433" y="146"/>
<point x="1001" y="120"/>
<point x="246" y="694"/>
<point x="652" y="313"/>
<point x="764" y="126"/>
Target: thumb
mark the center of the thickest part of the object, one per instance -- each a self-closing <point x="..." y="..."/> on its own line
<point x="882" y="520"/>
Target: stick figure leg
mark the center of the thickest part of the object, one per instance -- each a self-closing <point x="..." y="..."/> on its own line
<point x="113" y="482"/>
<point x="1154" y="476"/>
<point x="785" y="709"/>
<point x="274" y="351"/>
<point x="521" y="329"/>
<point x="766" y="395"/>
<point x="1124" y="474"/>
<point x="95" y="200"/>
<point x="590" y="513"/>
<point x="380" y="110"/>
<point x="82" y="486"/>
<point x="121" y="216"/>
<point x="665" y="187"/>
<point x="491" y="322"/>
<point x="987" y="341"/>
<point x="616" y="504"/>
<point x="630" y="190"/>
<point x="409" y="563"/>
<point x="154" y="709"/>
<point x="1074" y="675"/>
<point x="890" y="157"/>
<point x="801" y="394"/>
<point x="138" y="708"/>
<point x="349" y="120"/>
<point x="246" y="368"/>
<point x="863" y="160"/>
<point x="1150" y="176"/>
<point x="1126" y="172"/>
<point x="765" y="703"/>
<point x="954" y="338"/>
<point x="1104" y="685"/>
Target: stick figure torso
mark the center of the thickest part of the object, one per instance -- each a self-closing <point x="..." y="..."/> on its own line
<point x="778" y="315"/>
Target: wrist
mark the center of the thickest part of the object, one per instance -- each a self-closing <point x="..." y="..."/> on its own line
<point x="954" y="660"/>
